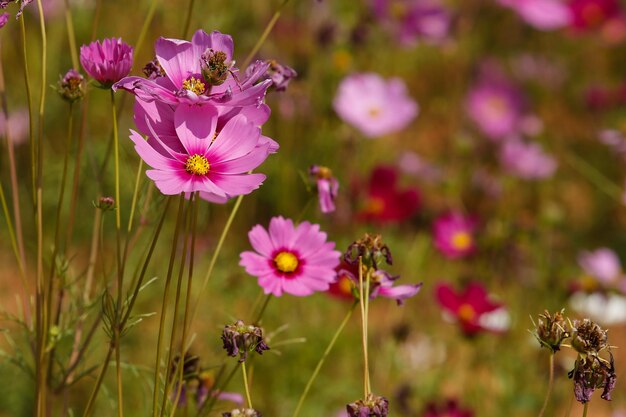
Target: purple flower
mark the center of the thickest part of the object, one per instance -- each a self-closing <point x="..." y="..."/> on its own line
<point x="541" y="14"/>
<point x="4" y="18"/>
<point x="198" y="72"/>
<point x="373" y="105"/>
<point x="107" y="62"/>
<point x="602" y="264"/>
<point x="327" y="187"/>
<point x="526" y="160"/>
<point x="496" y="106"/>
<point x="414" y="20"/>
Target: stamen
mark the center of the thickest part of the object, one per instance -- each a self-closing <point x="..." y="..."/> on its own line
<point x="286" y="262"/>
<point x="194" y="85"/>
<point x="197" y="165"/>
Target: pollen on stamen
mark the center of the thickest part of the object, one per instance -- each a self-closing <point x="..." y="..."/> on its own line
<point x="197" y="165"/>
<point x="194" y="85"/>
<point x="286" y="262"/>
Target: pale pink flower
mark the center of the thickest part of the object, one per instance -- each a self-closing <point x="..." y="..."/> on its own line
<point x="327" y="187"/>
<point x="541" y="14"/>
<point x="602" y="264"/>
<point x="526" y="160"/>
<point x="291" y="259"/>
<point x="373" y="105"/>
<point x="18" y="126"/>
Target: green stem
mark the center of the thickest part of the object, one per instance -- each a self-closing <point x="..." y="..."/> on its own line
<point x="168" y="279"/>
<point x="146" y="25"/>
<point x="99" y="379"/>
<point x="188" y="19"/>
<point x="585" y="408"/>
<point x="71" y="35"/>
<point x="134" y="201"/>
<point x="364" y="303"/>
<point x="245" y="384"/>
<point x="550" y="385"/>
<point x="5" y="210"/>
<point x="118" y="368"/>
<point x="318" y="367"/>
<point x="31" y="112"/>
<point x="266" y="32"/>
<point x="118" y="202"/>
<point x="257" y="320"/>
<point x="594" y="176"/>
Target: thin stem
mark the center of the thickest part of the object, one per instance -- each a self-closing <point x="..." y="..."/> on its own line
<point x="96" y="20"/>
<point x="257" y="320"/>
<point x="99" y="379"/>
<point x="118" y="367"/>
<point x="146" y="25"/>
<point x="318" y="367"/>
<point x="7" y="216"/>
<point x="188" y="18"/>
<point x="31" y="112"/>
<point x="168" y="279"/>
<point x="245" y="384"/>
<point x="118" y="203"/>
<point x="585" y="407"/>
<point x="266" y="32"/>
<point x="594" y="176"/>
<point x="550" y="385"/>
<point x="70" y="34"/>
<point x="363" y="302"/>
<point x="134" y="201"/>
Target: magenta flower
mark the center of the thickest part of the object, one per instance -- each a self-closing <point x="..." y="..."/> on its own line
<point x="472" y="308"/>
<point x="526" y="160"/>
<point x="193" y="156"/>
<point x="496" y="106"/>
<point x="414" y="20"/>
<point x="541" y="14"/>
<point x="327" y="187"/>
<point x="592" y="14"/>
<point x="449" y="408"/>
<point x="291" y="259"/>
<point x="4" y="18"/>
<point x="454" y="235"/>
<point x="198" y="72"/>
<point x="374" y="106"/>
<point x="107" y="62"/>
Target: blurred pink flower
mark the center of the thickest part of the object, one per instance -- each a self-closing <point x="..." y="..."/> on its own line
<point x="413" y="164"/>
<point x="454" y="235"/>
<point x="108" y="61"/>
<point x="4" y="18"/>
<point x="18" y="126"/>
<point x="327" y="187"/>
<point x="449" y="408"/>
<point x="496" y="106"/>
<point x="526" y="160"/>
<point x="291" y="259"/>
<point x="472" y="308"/>
<point x="193" y="156"/>
<point x="601" y="264"/>
<point x="414" y="20"/>
<point x="541" y="14"/>
<point x="373" y="105"/>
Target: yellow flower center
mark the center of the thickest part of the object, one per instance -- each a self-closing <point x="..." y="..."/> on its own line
<point x="374" y="112"/>
<point x="194" y="85"/>
<point x="375" y="205"/>
<point x="466" y="313"/>
<point x="197" y="165"/>
<point x="286" y="262"/>
<point x="345" y="285"/>
<point x="461" y="241"/>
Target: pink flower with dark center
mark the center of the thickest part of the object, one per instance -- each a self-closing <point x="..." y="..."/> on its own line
<point x="193" y="156"/>
<point x="454" y="235"/>
<point x="472" y="308"/>
<point x="541" y="14"/>
<point x="526" y="160"/>
<point x="373" y="105"/>
<point x="291" y="259"/>
<point x="108" y="61"/>
<point x="198" y="72"/>
<point x="386" y="201"/>
<point x="496" y="106"/>
<point x="327" y="187"/>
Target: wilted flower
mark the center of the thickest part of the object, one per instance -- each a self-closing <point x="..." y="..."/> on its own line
<point x="239" y="339"/>
<point x="242" y="412"/>
<point x="541" y="14"/>
<point x="526" y="160"/>
<point x="370" y="249"/>
<point x="386" y="201"/>
<point x="454" y="235"/>
<point x="472" y="308"/>
<point x="589" y="338"/>
<point x="373" y="105"/>
<point x="414" y="20"/>
<point x="449" y="408"/>
<point x="108" y="61"/>
<point x="590" y="373"/>
<point x="71" y="86"/>
<point x="372" y="406"/>
<point x="551" y="330"/>
<point x="280" y="75"/>
<point x="293" y="259"/>
<point x="327" y="187"/>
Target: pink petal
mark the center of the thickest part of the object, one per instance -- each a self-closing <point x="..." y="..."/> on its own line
<point x="280" y="231"/>
<point x="177" y="59"/>
<point x="202" y="41"/>
<point x="195" y="126"/>
<point x="237" y="184"/>
<point x="236" y="139"/>
<point x="242" y="164"/>
<point x="168" y="182"/>
<point x="399" y="292"/>
<point x="260" y="240"/>
<point x="255" y="264"/>
<point x="149" y="155"/>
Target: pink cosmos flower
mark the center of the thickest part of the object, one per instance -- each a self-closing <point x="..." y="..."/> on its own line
<point x="198" y="72"/>
<point x="414" y="20"/>
<point x="496" y="106"/>
<point x="291" y="259"/>
<point x="472" y="308"/>
<point x="4" y="18"/>
<point x="601" y="264"/>
<point x="195" y="157"/>
<point x="454" y="235"/>
<point x="526" y="160"/>
<point x="373" y="105"/>
<point x="541" y="14"/>
<point x="107" y="62"/>
<point x="327" y="187"/>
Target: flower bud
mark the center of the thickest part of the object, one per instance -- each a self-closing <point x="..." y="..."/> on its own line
<point x="105" y="203"/>
<point x="371" y="249"/>
<point x="372" y="406"/>
<point x="71" y="86"/>
<point x="239" y="339"/>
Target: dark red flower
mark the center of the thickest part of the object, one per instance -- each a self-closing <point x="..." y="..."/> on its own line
<point x="472" y="308"/>
<point x="592" y="14"/>
<point x="386" y="202"/>
<point x="449" y="408"/>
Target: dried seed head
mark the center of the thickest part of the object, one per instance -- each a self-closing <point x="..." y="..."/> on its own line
<point x="371" y="249"/>
<point x="590" y="373"/>
<point x="153" y="69"/>
<point x="239" y="339"/>
<point x="242" y="412"/>
<point x="214" y="67"/>
<point x="551" y="330"/>
<point x="372" y="406"/>
<point x="588" y="338"/>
